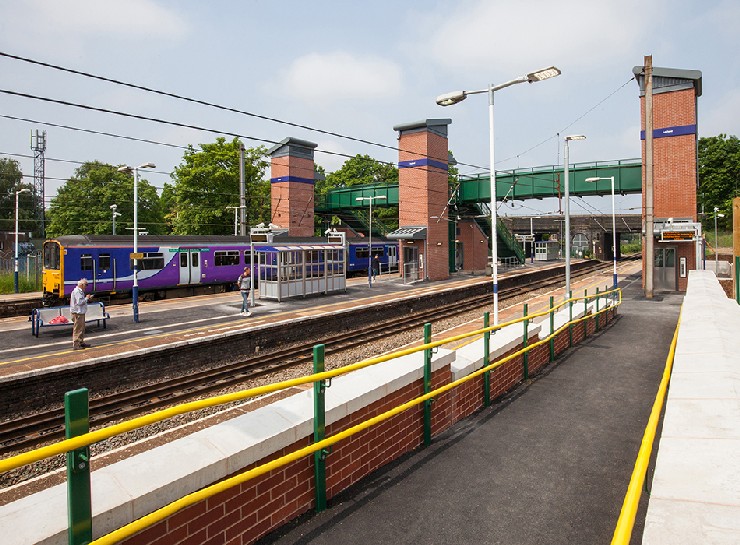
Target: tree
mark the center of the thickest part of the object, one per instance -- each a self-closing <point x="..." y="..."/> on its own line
<point x="207" y="182"/>
<point x="82" y="205"/>
<point x="11" y="180"/>
<point x="719" y="177"/>
<point x="359" y="170"/>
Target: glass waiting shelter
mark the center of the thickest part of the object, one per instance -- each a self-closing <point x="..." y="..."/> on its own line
<point x="285" y="271"/>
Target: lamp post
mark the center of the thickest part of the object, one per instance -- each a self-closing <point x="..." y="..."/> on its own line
<point x="614" y="229"/>
<point x="135" y="288"/>
<point x="370" y="243"/>
<point x="454" y="97"/>
<point x="716" y="242"/>
<point x="15" y="274"/>
<point x="567" y="210"/>
<point x="114" y="207"/>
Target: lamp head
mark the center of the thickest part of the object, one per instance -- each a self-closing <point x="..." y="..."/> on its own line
<point x="448" y="99"/>
<point x="124" y="168"/>
<point x="148" y="165"/>
<point x="575" y="137"/>
<point x="545" y="73"/>
<point x="113" y="207"/>
<point x="24" y="190"/>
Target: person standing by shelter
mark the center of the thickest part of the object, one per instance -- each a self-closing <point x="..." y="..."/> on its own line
<point x="78" y="307"/>
<point x="375" y="266"/>
<point x="245" y="286"/>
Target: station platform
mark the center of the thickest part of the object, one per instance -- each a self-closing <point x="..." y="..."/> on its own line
<point x="549" y="464"/>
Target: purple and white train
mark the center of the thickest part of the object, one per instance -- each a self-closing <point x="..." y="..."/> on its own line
<point x="194" y="263"/>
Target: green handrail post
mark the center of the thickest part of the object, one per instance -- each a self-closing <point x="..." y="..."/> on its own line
<point x="319" y="429"/>
<point x="552" y="329"/>
<point x="525" y="341"/>
<point x="486" y="360"/>
<point x="597" y="309"/>
<point x="427" y="385"/>
<point x="570" y="319"/>
<point x="79" y="505"/>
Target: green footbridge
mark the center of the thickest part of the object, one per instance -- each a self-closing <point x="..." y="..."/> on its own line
<point x="473" y="195"/>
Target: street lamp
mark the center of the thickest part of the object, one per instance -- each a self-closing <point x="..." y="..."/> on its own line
<point x="454" y="97"/>
<point x="716" y="242"/>
<point x="135" y="289"/>
<point x="370" y="243"/>
<point x="567" y="210"/>
<point x="15" y="275"/>
<point x="614" y="228"/>
<point x="114" y="207"/>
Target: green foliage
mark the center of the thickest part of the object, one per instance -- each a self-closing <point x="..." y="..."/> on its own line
<point x="11" y="180"/>
<point x="359" y="170"/>
<point x="7" y="283"/>
<point x="719" y="177"/>
<point x="207" y="182"/>
<point x="82" y="205"/>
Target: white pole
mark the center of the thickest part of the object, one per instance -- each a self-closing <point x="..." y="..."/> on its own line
<point x="494" y="233"/>
<point x="15" y="276"/>
<point x="716" y="240"/>
<point x="614" y="238"/>
<point x="135" y="289"/>
<point x="567" y="220"/>
<point x="370" y="249"/>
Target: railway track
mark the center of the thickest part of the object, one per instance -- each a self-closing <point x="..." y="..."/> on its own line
<point x="34" y="430"/>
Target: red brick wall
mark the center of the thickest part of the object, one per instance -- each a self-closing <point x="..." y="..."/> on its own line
<point x="243" y="514"/>
<point x="475" y="252"/>
<point x="422" y="193"/>
<point x="292" y="202"/>
<point x="674" y="166"/>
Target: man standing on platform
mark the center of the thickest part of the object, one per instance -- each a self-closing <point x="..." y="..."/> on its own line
<point x="78" y="303"/>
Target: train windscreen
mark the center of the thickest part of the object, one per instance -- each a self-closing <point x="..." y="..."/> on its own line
<point x="51" y="255"/>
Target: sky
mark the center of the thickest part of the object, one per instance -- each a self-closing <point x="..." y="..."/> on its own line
<point x="355" y="69"/>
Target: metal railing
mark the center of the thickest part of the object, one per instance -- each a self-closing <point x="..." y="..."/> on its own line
<point x="626" y="521"/>
<point x="79" y="439"/>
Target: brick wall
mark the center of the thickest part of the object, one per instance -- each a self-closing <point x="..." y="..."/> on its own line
<point x="243" y="514"/>
<point x="674" y="167"/>
<point x="475" y="252"/>
<point x="423" y="193"/>
<point x="292" y="202"/>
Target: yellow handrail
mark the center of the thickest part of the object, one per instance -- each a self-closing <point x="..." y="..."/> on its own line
<point x="626" y="521"/>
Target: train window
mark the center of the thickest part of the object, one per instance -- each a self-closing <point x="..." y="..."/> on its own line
<point x="194" y="259"/>
<point x="361" y="252"/>
<point x="228" y="257"/>
<point x="183" y="259"/>
<point x="51" y="255"/>
<point x="151" y="261"/>
<point x="247" y="258"/>
<point x="86" y="262"/>
<point x="104" y="261"/>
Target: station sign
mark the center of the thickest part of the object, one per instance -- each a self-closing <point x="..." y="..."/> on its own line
<point x="677" y="235"/>
<point x="137" y="255"/>
<point x="524" y="238"/>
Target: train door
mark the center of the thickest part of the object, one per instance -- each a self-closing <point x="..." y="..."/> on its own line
<point x="664" y="271"/>
<point x="392" y="250"/>
<point x="189" y="266"/>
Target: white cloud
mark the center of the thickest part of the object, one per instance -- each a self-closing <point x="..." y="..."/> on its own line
<point x="512" y="37"/>
<point x="71" y="26"/>
<point x="330" y="77"/>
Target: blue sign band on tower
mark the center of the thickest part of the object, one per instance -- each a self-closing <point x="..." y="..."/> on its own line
<point x="681" y="130"/>
<point x="280" y="179"/>
<point x="424" y="162"/>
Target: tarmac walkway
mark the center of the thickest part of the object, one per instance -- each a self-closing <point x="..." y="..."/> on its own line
<point x="548" y="464"/>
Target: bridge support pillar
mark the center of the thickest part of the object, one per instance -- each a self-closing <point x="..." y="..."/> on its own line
<point x="292" y="186"/>
<point x="423" y="193"/>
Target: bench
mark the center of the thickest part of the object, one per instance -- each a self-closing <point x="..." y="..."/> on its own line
<point x="41" y="317"/>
